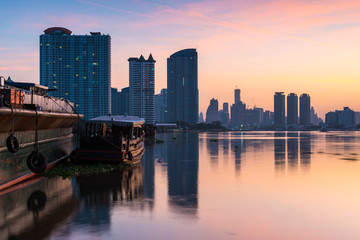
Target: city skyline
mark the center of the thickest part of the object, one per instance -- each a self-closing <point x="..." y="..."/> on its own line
<point x="302" y="46"/>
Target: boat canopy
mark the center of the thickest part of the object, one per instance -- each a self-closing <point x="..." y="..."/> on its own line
<point x="132" y="121"/>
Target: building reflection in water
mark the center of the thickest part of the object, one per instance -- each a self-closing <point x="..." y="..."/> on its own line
<point x="97" y="194"/>
<point x="279" y="150"/>
<point x="292" y="150"/>
<point x="225" y="143"/>
<point x="148" y="161"/>
<point x="182" y="169"/>
<point x="36" y="209"/>
<point x="238" y="146"/>
<point x="212" y="146"/>
<point x="341" y="143"/>
<point x="294" y="139"/>
<point x="305" y="149"/>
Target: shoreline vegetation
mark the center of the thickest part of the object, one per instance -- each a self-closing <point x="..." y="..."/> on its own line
<point x="217" y="127"/>
<point x="69" y="169"/>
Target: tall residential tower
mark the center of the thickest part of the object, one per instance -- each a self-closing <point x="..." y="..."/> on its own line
<point x="182" y="83"/>
<point x="279" y="109"/>
<point x="142" y="88"/>
<point x="305" y="109"/>
<point x="78" y="68"/>
<point x="292" y="109"/>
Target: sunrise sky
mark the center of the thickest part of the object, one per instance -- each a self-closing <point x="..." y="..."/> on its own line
<point x="260" y="46"/>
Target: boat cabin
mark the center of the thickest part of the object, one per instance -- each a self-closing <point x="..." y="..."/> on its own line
<point x="111" y="138"/>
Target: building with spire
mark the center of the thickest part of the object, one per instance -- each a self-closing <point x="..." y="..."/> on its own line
<point x="142" y="88"/>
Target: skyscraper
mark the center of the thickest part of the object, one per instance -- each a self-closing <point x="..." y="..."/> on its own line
<point x="78" y="67"/>
<point x="182" y="83"/>
<point x="279" y="109"/>
<point x="237" y="95"/>
<point x="142" y="88"/>
<point x="237" y="111"/>
<point x="305" y="109"/>
<point x="292" y="108"/>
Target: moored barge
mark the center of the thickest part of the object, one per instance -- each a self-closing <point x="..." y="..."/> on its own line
<point x="111" y="139"/>
<point x="35" y="131"/>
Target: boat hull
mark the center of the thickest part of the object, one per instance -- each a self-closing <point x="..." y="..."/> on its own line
<point x="13" y="166"/>
<point x="54" y="140"/>
<point x="90" y="154"/>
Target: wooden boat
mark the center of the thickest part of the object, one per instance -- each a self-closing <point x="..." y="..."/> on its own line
<point x="35" y="131"/>
<point x="111" y="139"/>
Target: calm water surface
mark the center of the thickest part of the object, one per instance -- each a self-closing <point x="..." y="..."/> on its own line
<point x="232" y="185"/>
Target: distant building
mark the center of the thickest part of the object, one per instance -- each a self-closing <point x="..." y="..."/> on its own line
<point x="253" y="117"/>
<point x="160" y="106"/>
<point x="201" y="118"/>
<point x="279" y="109"/>
<point x="182" y="83"/>
<point x="212" y="113"/>
<point x="237" y="111"/>
<point x="115" y="101"/>
<point x="125" y="101"/>
<point x="78" y="67"/>
<point x="314" y="119"/>
<point x="268" y="118"/>
<point x="224" y="114"/>
<point x="142" y="88"/>
<point x="292" y="109"/>
<point x="237" y="115"/>
<point x="344" y="118"/>
<point x="305" y="109"/>
<point x="331" y="119"/>
<point x="357" y="118"/>
<point x="237" y="96"/>
<point x="120" y="101"/>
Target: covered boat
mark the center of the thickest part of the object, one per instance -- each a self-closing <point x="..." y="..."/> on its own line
<point x="112" y="139"/>
<point x="35" y="131"/>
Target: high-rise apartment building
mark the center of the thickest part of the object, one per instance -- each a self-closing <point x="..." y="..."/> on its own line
<point x="305" y="109"/>
<point x="182" y="85"/>
<point x="292" y="109"/>
<point x="78" y="68"/>
<point x="279" y="109"/>
<point x="142" y="88"/>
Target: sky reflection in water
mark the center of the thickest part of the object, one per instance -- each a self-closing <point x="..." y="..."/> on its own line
<point x="232" y="185"/>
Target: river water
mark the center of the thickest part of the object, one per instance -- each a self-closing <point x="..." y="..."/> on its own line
<point x="231" y="185"/>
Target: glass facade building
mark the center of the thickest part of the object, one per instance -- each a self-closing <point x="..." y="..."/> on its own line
<point x="78" y="68"/>
<point x="182" y="83"/>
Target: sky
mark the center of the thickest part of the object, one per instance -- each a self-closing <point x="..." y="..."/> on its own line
<point x="302" y="46"/>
